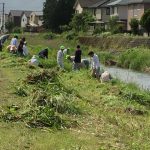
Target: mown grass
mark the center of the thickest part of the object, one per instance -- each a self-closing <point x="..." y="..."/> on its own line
<point x="108" y="116"/>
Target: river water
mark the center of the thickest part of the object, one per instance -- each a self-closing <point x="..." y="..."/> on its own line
<point x="142" y="80"/>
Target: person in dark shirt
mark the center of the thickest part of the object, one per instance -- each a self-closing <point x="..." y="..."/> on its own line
<point x="20" y="48"/>
<point x="77" y="60"/>
<point x="44" y="53"/>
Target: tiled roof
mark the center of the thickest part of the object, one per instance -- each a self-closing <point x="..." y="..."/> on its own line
<point x="16" y="12"/>
<point x="38" y="13"/>
<point x="101" y="2"/>
<point x="20" y="12"/>
<point x="87" y="3"/>
<point x="126" y="2"/>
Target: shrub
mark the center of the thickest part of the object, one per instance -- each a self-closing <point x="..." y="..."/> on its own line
<point x="49" y="36"/>
<point x="114" y="26"/>
<point x="136" y="58"/>
<point x="71" y="35"/>
<point x="17" y="30"/>
<point x="134" y="23"/>
<point x="80" y="21"/>
<point x="65" y="28"/>
<point x="145" y="21"/>
<point x="9" y="26"/>
<point x="98" y="30"/>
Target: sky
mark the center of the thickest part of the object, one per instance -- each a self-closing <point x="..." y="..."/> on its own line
<point x="34" y="5"/>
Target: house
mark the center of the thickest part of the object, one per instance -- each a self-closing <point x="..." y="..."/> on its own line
<point x="98" y="8"/>
<point x="128" y="9"/>
<point x="36" y="19"/>
<point x="25" y="18"/>
<point x="119" y="8"/>
<point x="136" y="9"/>
<point x="82" y="5"/>
<point x="15" y="17"/>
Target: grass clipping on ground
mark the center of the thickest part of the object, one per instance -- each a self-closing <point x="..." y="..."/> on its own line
<point x="50" y="104"/>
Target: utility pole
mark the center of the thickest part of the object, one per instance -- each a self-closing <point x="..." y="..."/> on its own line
<point x="3" y="17"/>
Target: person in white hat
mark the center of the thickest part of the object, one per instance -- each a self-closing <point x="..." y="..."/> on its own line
<point x="60" y="57"/>
<point x="34" y="61"/>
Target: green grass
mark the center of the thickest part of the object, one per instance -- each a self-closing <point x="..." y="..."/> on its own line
<point x="113" y="115"/>
<point x="136" y="59"/>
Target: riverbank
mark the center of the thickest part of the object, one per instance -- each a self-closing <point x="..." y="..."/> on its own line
<point x="110" y="115"/>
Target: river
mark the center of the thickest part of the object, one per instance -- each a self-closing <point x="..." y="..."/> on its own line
<point x="142" y="80"/>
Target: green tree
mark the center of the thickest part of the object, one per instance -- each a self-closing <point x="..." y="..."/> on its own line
<point x="145" y="21"/>
<point x="134" y="24"/>
<point x="80" y="21"/>
<point x="9" y="26"/>
<point x="57" y="13"/>
<point x="113" y="25"/>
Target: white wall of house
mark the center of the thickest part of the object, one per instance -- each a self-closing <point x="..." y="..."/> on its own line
<point x="78" y="9"/>
<point x="40" y="22"/>
<point x="24" y="21"/>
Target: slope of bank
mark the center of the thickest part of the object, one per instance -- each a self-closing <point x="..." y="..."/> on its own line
<point x="113" y="115"/>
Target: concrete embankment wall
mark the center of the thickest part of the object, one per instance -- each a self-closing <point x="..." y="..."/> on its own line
<point x="118" y="42"/>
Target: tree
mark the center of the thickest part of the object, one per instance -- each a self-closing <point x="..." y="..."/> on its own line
<point x="80" y="21"/>
<point x="113" y="25"/>
<point x="134" y="23"/>
<point x="57" y="13"/>
<point x="9" y="26"/>
<point x="145" y="21"/>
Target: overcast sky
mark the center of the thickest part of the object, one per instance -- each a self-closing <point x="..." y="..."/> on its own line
<point x="22" y="4"/>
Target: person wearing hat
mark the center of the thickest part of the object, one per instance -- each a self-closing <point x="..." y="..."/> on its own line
<point x="60" y="57"/>
<point x="34" y="61"/>
<point x="95" y="65"/>
<point x="43" y="53"/>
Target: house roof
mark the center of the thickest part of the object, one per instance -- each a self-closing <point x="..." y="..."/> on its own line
<point x="38" y="13"/>
<point x="16" y="12"/>
<point x="86" y="3"/>
<point x="20" y="12"/>
<point x="27" y="13"/>
<point x="99" y="3"/>
<point x="126" y="2"/>
<point x="137" y="1"/>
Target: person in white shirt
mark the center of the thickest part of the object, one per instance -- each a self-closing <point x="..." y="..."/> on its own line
<point x="34" y="61"/>
<point x="14" y="44"/>
<point x="105" y="77"/>
<point x="95" y="65"/>
<point x="25" y="49"/>
<point x="60" y="57"/>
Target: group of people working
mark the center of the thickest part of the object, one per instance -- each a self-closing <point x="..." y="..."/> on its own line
<point x="76" y="60"/>
<point x="78" y="63"/>
<point x="18" y="47"/>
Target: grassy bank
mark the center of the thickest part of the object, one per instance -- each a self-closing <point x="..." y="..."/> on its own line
<point x="90" y="115"/>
